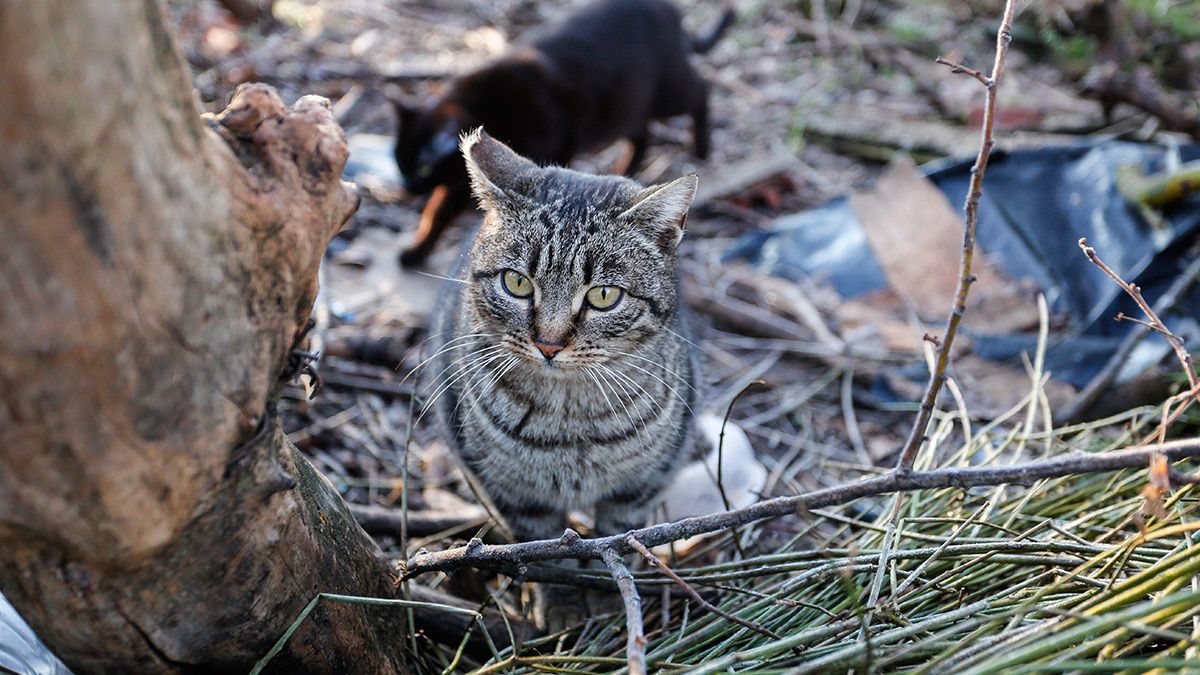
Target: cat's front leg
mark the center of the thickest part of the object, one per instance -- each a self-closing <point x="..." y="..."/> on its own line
<point x="555" y="607"/>
<point x="627" y="510"/>
<point x="614" y="516"/>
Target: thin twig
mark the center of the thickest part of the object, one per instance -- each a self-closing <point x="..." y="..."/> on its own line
<point x="721" y="442"/>
<point x="635" y="641"/>
<point x="937" y="378"/>
<point x="960" y="68"/>
<point x="1103" y="381"/>
<point x="852" y="430"/>
<point x="1185" y="359"/>
<point x="721" y="461"/>
<point x="965" y="278"/>
<point x="694" y="594"/>
<point x="1121" y="316"/>
<point x="507" y="558"/>
<point x="885" y="551"/>
<point x="1155" y="323"/>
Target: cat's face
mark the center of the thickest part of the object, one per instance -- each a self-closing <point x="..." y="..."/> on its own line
<point x="571" y="270"/>
<point x="427" y="146"/>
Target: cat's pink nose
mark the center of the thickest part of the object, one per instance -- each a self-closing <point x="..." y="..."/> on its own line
<point x="549" y="349"/>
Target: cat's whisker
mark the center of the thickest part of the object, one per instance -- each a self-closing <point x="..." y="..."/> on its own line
<point x="681" y="337"/>
<point x="638" y="389"/>
<point x="443" y="349"/>
<point x="465" y="282"/>
<point x="603" y="392"/>
<point x="468" y="388"/>
<point x="664" y="383"/>
<point x="492" y="376"/>
<point x="433" y="400"/>
<point x="504" y="370"/>
<point x="662" y="366"/>
<point x="601" y="374"/>
<point x="483" y="351"/>
<point x="470" y="368"/>
<point x="635" y="392"/>
<point x="496" y="374"/>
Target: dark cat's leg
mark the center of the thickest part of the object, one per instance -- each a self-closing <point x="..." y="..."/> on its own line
<point x="640" y="141"/>
<point x="700" y="131"/>
<point x="444" y="205"/>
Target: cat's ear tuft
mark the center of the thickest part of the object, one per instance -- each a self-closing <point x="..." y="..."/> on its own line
<point x="495" y="170"/>
<point x="661" y="210"/>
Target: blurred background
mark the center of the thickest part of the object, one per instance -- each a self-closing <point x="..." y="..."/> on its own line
<point x="821" y="254"/>
<point x="824" y="240"/>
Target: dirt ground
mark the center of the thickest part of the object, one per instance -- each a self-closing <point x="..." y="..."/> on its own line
<point x="809" y="101"/>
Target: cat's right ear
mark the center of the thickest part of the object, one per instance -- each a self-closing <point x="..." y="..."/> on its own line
<point x="496" y="171"/>
<point x="661" y="210"/>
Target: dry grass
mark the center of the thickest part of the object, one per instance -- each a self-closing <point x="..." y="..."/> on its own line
<point x="1057" y="576"/>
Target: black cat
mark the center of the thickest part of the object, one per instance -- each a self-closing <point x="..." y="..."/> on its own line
<point x="600" y="75"/>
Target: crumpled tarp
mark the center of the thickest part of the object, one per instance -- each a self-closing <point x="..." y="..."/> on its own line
<point x="1036" y="205"/>
<point x="20" y="650"/>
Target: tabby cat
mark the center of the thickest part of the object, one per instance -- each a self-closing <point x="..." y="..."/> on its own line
<point x="600" y="75"/>
<point x="564" y="380"/>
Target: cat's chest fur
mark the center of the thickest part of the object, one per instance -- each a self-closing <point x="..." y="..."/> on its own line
<point x="572" y="438"/>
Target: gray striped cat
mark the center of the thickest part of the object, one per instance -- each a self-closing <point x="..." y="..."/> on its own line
<point x="564" y="381"/>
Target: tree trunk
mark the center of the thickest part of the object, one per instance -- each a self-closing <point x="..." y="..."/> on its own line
<point x="155" y="269"/>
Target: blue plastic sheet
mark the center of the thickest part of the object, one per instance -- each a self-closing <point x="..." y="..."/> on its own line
<point x="20" y="650"/>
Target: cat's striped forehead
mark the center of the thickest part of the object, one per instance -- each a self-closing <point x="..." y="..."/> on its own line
<point x="571" y="223"/>
<point x="572" y="196"/>
<point x="570" y="228"/>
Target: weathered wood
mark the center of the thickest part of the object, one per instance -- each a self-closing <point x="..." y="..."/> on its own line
<point x="153" y="276"/>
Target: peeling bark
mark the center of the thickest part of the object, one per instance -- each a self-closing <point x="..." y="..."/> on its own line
<point x="155" y="270"/>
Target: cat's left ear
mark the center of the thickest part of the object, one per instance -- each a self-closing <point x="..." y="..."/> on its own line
<point x="496" y="171"/>
<point x="661" y="210"/>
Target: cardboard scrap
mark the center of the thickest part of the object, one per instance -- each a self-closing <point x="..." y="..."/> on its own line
<point x="917" y="237"/>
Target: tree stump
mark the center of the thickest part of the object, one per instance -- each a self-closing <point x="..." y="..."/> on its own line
<point x="155" y="269"/>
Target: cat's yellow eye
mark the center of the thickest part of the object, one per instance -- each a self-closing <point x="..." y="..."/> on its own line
<point x="518" y="285"/>
<point x="604" y="297"/>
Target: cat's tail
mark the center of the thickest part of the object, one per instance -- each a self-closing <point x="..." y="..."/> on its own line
<point x="705" y="41"/>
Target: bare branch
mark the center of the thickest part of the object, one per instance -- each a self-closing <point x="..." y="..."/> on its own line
<point x="694" y="594"/>
<point x="1101" y="383"/>
<point x="510" y="558"/>
<point x="1185" y="359"/>
<point x="916" y="435"/>
<point x="960" y="68"/>
<point x="1122" y="316"/>
<point x="635" y="642"/>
